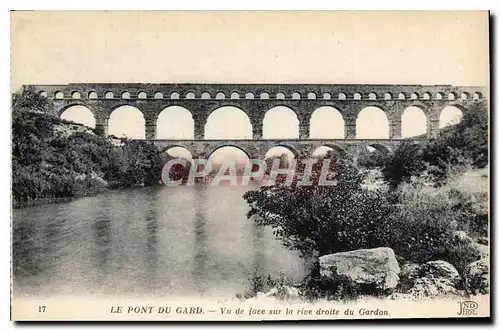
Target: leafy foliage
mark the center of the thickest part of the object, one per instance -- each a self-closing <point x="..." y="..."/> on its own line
<point x="425" y="221"/>
<point x="416" y="220"/>
<point x="326" y="219"/>
<point x="370" y="159"/>
<point x="464" y="144"/>
<point x="49" y="165"/>
<point x="406" y="162"/>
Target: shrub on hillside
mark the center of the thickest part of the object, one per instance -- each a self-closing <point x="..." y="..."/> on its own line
<point x="456" y="147"/>
<point x="471" y="134"/>
<point x="49" y="165"/>
<point x="324" y="219"/>
<point x="424" y="224"/>
<point x="418" y="221"/>
<point x="370" y="159"/>
<point x="259" y="283"/>
<point x="405" y="163"/>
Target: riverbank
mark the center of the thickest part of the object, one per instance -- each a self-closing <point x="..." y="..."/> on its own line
<point x="54" y="160"/>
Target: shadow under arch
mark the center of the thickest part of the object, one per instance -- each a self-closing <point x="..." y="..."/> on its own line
<point x="125" y="104"/>
<point x="372" y="122"/>
<point x="372" y="155"/>
<point x="164" y="152"/>
<point x="74" y="103"/>
<point x="337" y="150"/>
<point x="211" y="152"/>
<point x="294" y="151"/>
<point x="451" y="114"/>
<point x="326" y="122"/>
<point x="381" y="148"/>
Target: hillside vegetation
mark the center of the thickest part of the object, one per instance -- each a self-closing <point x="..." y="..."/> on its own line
<point x="433" y="206"/>
<point x="55" y="159"/>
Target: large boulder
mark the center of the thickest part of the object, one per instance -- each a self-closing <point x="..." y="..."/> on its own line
<point x="429" y="280"/>
<point x="476" y="277"/>
<point x="376" y="268"/>
<point x="441" y="270"/>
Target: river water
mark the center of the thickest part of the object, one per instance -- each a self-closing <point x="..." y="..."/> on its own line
<point x="151" y="241"/>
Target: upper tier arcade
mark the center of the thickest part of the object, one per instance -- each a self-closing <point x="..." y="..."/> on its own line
<point x="256" y="99"/>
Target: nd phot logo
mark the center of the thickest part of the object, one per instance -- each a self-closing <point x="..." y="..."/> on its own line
<point x="467" y="308"/>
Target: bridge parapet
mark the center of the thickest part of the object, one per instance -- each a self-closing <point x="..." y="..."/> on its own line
<point x="258" y="91"/>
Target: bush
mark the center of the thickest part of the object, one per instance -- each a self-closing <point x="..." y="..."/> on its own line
<point x="337" y="288"/>
<point x="262" y="284"/>
<point x="456" y="147"/>
<point x="48" y="165"/>
<point x="418" y="221"/>
<point x="424" y="224"/>
<point x="405" y="162"/>
<point x="324" y="219"/>
<point x="371" y="159"/>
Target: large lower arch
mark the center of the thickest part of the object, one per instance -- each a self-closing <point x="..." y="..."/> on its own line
<point x="372" y="123"/>
<point x="326" y="123"/>
<point x="175" y="122"/>
<point x="372" y="155"/>
<point x="227" y="165"/>
<point x="228" y="122"/>
<point x="450" y="115"/>
<point x="279" y="150"/>
<point x="326" y="150"/>
<point x="413" y="122"/>
<point x="127" y="122"/>
<point x="227" y="154"/>
<point x="385" y="150"/>
<point x="179" y="168"/>
<point x="177" y="152"/>
<point x="280" y="157"/>
<point x="79" y="114"/>
<point x="280" y="123"/>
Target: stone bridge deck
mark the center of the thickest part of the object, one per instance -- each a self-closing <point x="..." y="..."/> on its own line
<point x="299" y="147"/>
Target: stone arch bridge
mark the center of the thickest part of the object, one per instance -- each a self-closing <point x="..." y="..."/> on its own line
<point x="255" y="99"/>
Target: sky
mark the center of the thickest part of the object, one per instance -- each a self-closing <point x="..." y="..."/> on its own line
<point x="251" y="47"/>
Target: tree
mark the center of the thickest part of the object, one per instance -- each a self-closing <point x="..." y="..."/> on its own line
<point x="456" y="147"/>
<point x="474" y="131"/>
<point x="28" y="99"/>
<point x="320" y="220"/>
<point x="405" y="162"/>
<point x="47" y="165"/>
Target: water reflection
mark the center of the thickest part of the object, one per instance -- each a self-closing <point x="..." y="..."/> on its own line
<point x="26" y="254"/>
<point x="200" y="255"/>
<point x="151" y="248"/>
<point x="102" y="242"/>
<point x="166" y="241"/>
<point x="259" y="261"/>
